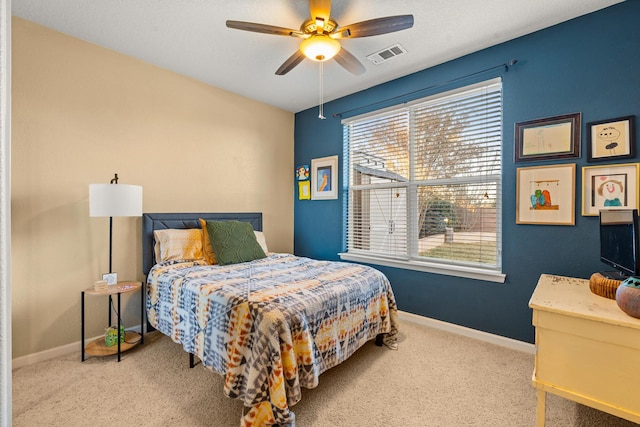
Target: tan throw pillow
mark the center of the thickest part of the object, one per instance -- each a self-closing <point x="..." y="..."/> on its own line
<point x="178" y="244"/>
<point x="207" y="250"/>
<point x="261" y="240"/>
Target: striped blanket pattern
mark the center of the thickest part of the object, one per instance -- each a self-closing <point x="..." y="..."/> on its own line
<point x="273" y="325"/>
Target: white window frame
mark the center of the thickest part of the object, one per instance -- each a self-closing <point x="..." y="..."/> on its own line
<point x="409" y="262"/>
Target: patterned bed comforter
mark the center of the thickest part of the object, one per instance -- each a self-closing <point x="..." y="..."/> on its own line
<point x="273" y="325"/>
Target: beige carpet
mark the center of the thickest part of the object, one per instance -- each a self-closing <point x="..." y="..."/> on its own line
<point x="436" y="378"/>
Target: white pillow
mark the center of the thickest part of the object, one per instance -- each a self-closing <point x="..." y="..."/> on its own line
<point x="261" y="240"/>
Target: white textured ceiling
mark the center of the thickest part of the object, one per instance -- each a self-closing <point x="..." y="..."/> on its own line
<point x="189" y="37"/>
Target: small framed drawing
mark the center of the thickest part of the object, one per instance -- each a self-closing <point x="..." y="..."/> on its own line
<point x="610" y="187"/>
<point x="302" y="172"/>
<point x="324" y="178"/>
<point x="611" y="139"/>
<point x="304" y="190"/>
<point x="111" y="278"/>
<point x="546" y="195"/>
<point x="555" y="137"/>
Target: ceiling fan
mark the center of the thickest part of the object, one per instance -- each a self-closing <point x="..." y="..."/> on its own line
<point x="320" y="34"/>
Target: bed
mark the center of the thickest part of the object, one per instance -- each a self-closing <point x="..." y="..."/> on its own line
<point x="271" y="325"/>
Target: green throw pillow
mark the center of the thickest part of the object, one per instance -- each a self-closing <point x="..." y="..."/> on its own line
<point x="233" y="242"/>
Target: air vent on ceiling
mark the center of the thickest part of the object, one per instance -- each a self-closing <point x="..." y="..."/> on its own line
<point x="386" y="54"/>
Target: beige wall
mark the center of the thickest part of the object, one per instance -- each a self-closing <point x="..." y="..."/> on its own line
<point x="81" y="113"/>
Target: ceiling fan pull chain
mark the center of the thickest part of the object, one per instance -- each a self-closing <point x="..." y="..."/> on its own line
<point x="321" y="108"/>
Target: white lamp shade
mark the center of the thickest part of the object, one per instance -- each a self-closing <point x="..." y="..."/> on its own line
<point x="115" y="200"/>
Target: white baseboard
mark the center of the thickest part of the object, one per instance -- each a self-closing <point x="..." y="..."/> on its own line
<point x="468" y="332"/>
<point x="63" y="350"/>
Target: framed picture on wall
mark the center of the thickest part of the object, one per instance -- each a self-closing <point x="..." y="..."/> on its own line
<point x="304" y="190"/>
<point x="611" y="139"/>
<point x="546" y="195"/>
<point x="555" y="137"/>
<point x="324" y="178"/>
<point x="609" y="187"/>
<point x="302" y="172"/>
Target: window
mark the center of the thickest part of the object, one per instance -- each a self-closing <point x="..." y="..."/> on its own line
<point x="424" y="184"/>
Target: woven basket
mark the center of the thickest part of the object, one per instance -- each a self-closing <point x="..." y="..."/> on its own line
<point x="602" y="286"/>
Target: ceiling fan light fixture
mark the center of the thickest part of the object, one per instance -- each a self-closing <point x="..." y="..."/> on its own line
<point x="319" y="47"/>
<point x="320" y="36"/>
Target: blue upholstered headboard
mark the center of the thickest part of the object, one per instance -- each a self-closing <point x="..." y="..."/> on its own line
<point x="161" y="221"/>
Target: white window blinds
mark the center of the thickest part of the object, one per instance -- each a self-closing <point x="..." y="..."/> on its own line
<point x="424" y="179"/>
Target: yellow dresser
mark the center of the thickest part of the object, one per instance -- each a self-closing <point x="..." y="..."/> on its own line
<point x="587" y="349"/>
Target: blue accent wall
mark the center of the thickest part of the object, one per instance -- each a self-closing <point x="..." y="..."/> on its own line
<point x="591" y="65"/>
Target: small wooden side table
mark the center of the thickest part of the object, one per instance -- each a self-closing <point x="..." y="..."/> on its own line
<point x="99" y="347"/>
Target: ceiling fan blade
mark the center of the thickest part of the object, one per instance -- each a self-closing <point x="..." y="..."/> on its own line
<point x="374" y="27"/>
<point x="263" y="28"/>
<point x="349" y="62"/>
<point x="290" y="63"/>
<point x="320" y="9"/>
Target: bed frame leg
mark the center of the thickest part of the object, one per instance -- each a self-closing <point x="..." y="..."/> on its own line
<point x="192" y="360"/>
<point x="379" y="341"/>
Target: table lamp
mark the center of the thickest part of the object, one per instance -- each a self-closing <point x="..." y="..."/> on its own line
<point x="114" y="199"/>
